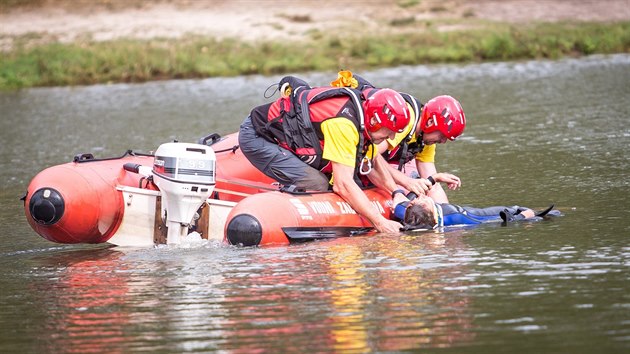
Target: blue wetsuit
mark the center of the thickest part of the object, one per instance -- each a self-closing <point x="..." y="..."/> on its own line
<point x="452" y="214"/>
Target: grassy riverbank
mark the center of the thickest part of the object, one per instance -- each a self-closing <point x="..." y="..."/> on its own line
<point x="133" y="60"/>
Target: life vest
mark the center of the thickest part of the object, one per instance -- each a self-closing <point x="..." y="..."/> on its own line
<point x="294" y="120"/>
<point x="406" y="150"/>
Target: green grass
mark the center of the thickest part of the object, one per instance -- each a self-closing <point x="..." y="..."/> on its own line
<point x="88" y="62"/>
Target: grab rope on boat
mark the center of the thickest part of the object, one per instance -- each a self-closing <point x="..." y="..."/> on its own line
<point x="81" y="158"/>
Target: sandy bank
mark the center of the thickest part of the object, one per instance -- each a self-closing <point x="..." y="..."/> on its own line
<point x="101" y="20"/>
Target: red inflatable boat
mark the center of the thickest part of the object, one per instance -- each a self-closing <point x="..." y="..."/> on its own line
<point x="88" y="199"/>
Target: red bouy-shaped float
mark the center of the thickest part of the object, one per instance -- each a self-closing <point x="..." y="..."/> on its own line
<point x="281" y="218"/>
<point x="78" y="202"/>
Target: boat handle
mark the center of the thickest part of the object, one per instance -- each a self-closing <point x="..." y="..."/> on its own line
<point x="132" y="167"/>
<point x="214" y="137"/>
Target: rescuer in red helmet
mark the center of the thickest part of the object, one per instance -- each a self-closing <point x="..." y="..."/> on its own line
<point x="310" y="134"/>
<point x="386" y="109"/>
<point x="440" y="120"/>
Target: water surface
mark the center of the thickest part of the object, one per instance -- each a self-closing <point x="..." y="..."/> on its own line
<point x="539" y="132"/>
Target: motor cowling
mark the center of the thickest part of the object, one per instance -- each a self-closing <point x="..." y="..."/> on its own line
<point x="185" y="174"/>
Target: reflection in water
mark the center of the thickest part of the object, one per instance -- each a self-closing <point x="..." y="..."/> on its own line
<point x="349" y="297"/>
<point x="352" y="293"/>
<point x="330" y="296"/>
<point x="100" y="302"/>
<point x="419" y="275"/>
<point x="85" y="305"/>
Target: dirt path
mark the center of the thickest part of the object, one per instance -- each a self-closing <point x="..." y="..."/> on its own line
<point x="72" y="20"/>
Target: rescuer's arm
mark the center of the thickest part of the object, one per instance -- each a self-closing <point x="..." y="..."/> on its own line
<point x="341" y="139"/>
<point x="345" y="187"/>
<point x="416" y="185"/>
<point x="381" y="175"/>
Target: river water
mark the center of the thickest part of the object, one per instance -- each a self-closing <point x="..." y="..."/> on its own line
<point x="539" y="132"/>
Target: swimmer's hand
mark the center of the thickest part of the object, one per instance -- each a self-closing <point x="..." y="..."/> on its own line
<point x="453" y="182"/>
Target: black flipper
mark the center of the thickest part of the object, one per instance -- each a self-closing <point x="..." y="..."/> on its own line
<point x="545" y="212"/>
<point x="508" y="216"/>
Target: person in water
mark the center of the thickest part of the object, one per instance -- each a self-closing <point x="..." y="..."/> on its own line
<point x="310" y="134"/>
<point x="422" y="212"/>
<point x="439" y="120"/>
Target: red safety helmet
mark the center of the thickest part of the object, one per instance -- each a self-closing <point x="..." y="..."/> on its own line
<point x="444" y="114"/>
<point x="389" y="110"/>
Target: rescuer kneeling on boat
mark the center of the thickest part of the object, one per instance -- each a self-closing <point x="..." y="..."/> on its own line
<point x="310" y="134"/>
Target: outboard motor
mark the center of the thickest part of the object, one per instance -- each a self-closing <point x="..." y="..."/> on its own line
<point x="185" y="174"/>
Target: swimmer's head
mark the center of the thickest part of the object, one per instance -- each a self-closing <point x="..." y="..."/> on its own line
<point x="421" y="213"/>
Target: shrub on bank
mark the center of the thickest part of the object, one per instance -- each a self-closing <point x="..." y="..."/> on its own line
<point x="88" y="62"/>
